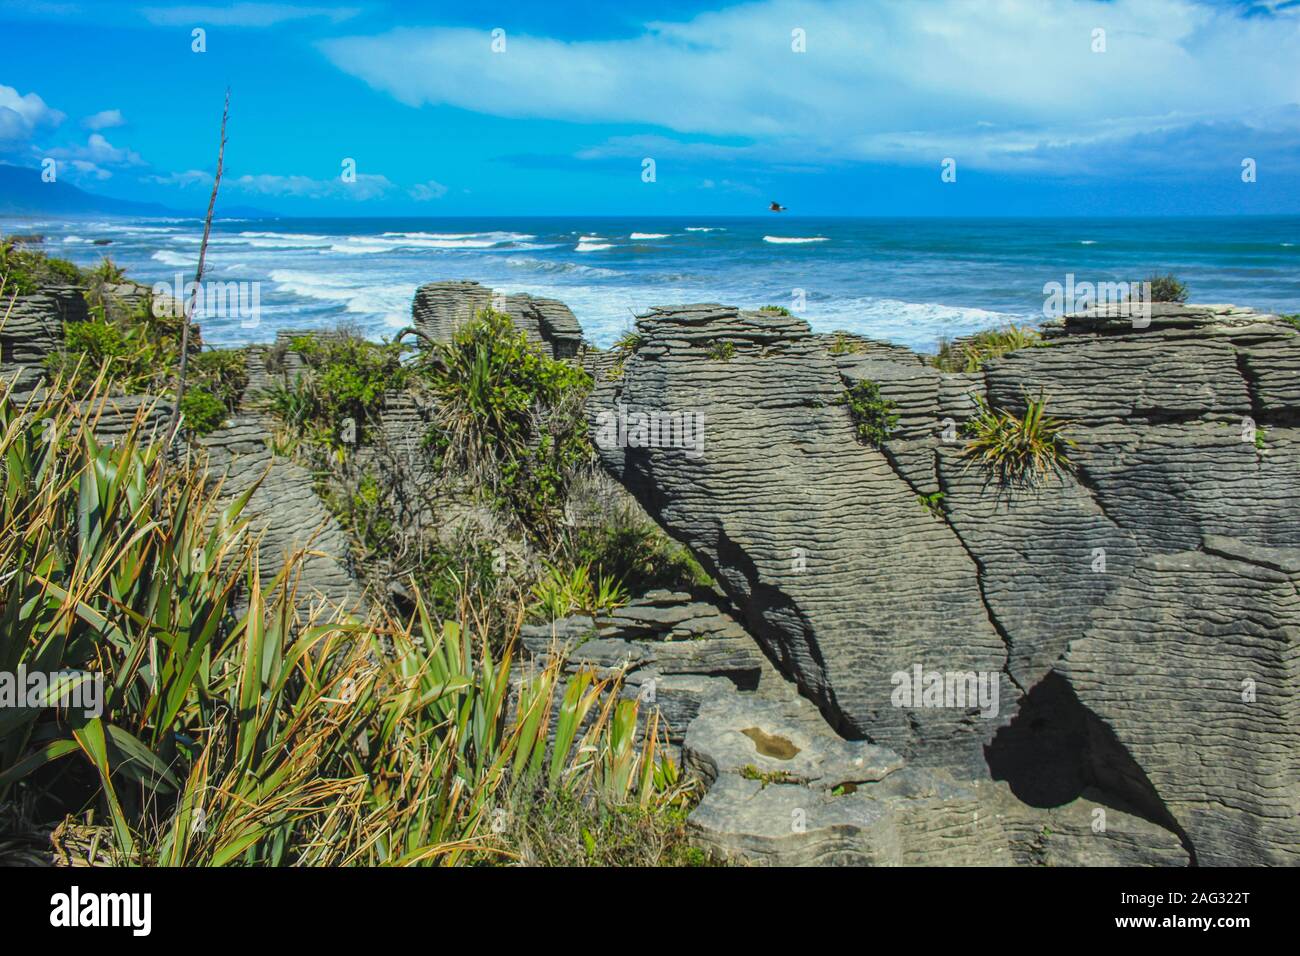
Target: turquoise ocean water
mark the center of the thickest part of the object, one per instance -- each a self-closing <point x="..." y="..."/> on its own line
<point x="910" y="281"/>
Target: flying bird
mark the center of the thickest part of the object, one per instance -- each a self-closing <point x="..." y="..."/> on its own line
<point x="776" y="207"/>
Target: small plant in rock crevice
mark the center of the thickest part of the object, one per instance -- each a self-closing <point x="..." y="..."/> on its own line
<point x="932" y="503"/>
<point x="873" y="415"/>
<point x="1018" y="450"/>
<point x="722" y="351"/>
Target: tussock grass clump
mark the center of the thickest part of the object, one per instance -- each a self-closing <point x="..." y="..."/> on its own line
<point x="778" y="309"/>
<point x="846" y="344"/>
<point x="623" y="349"/>
<point x="970" y="354"/>
<point x="1015" y="450"/>
<point x="570" y="590"/>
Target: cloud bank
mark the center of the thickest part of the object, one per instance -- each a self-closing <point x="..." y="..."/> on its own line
<point x="1011" y="84"/>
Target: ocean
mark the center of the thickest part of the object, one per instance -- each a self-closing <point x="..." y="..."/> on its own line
<point x="910" y="281"/>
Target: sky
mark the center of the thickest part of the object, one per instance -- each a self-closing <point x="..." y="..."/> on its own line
<point x="833" y="107"/>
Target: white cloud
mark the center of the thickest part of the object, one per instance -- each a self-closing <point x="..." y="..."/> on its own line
<point x="242" y="14"/>
<point x="423" y="192"/>
<point x="21" y="115"/>
<point x="190" y="177"/>
<point x="82" y="170"/>
<point x="99" y="151"/>
<point x="367" y="186"/>
<point x="104" y="119"/>
<point x="991" y="84"/>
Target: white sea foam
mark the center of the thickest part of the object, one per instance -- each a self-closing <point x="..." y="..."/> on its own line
<point x="795" y="240"/>
<point x="586" y="246"/>
<point x="560" y="268"/>
<point x="356" y="297"/>
<point x="705" y="229"/>
<point x="174" y="258"/>
<point x="491" y="238"/>
<point x="1087" y="242"/>
<point x="649" y="235"/>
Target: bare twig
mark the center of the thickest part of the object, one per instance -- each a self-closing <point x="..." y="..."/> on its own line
<point x="198" y="279"/>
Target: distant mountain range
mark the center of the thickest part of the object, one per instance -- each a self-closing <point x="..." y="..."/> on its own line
<point x="23" y="193"/>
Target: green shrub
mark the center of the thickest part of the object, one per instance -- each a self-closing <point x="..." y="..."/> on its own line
<point x="141" y="351"/>
<point x="970" y="354"/>
<point x="222" y="372"/>
<point x="347" y="378"/>
<point x="933" y="503"/>
<point x="637" y="553"/>
<point x="1018" y="450"/>
<point x="1292" y="319"/>
<point x="1167" y="288"/>
<point x="722" y="351"/>
<point x="204" y="412"/>
<point x="778" y="309"/>
<point x="873" y="416"/>
<point x="23" y="271"/>
<point x="510" y="418"/>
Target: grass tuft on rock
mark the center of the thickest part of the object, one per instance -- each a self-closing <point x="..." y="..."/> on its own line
<point x="969" y="354"/>
<point x="1018" y="450"/>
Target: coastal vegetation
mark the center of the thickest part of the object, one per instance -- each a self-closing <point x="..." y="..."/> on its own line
<point x="970" y="353"/>
<point x="239" y="728"/>
<point x="1018" y="450"/>
<point x="874" y="416"/>
<point x="1167" y="288"/>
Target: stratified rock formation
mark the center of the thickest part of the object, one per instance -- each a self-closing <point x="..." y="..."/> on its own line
<point x="442" y="307"/>
<point x="1142" y="605"/>
<point x="904" y="661"/>
<point x="835" y="568"/>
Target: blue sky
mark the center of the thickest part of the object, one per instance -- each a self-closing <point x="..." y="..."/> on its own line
<point x="1038" y="120"/>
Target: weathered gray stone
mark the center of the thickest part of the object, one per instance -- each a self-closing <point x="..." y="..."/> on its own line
<point x="825" y="551"/>
<point x="442" y="307"/>
<point x="1193" y="665"/>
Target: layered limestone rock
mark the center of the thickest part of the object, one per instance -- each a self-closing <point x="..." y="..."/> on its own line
<point x="1185" y="431"/>
<point x="31" y="327"/>
<point x="674" y="650"/>
<point x="442" y="307"/>
<point x="1194" y="666"/>
<point x="786" y="791"/>
<point x="826" y="554"/>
